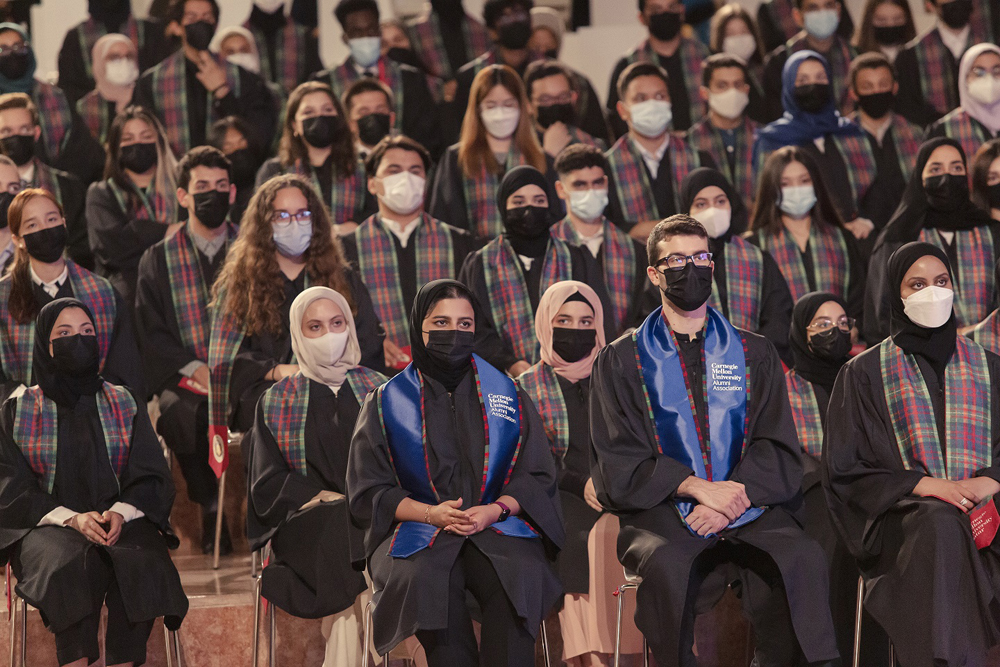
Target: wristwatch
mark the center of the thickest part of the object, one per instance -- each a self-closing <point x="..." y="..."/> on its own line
<point x="504" y="511"/>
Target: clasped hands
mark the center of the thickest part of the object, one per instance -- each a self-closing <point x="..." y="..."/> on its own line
<point x="719" y="504"/>
<point x="964" y="494"/>
<point x="103" y="529"/>
<point x="452" y="519"/>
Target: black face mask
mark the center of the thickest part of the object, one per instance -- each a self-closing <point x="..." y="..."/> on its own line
<point x="319" y="131"/>
<point x="947" y="193"/>
<point x="449" y="10"/>
<point x="514" y="35"/>
<point x="956" y="14"/>
<point x="877" y="105"/>
<point x="5" y="199"/>
<point x="15" y="65"/>
<point x="813" y="97"/>
<point x="556" y="113"/>
<point x="451" y="349"/>
<point x="211" y="207"/>
<point x="199" y="35"/>
<point x="665" y="25"/>
<point x="528" y="221"/>
<point x="992" y="195"/>
<point x="138" y="158"/>
<point x="46" y="245"/>
<point x="572" y="345"/>
<point x="76" y="356"/>
<point x="405" y="56"/>
<point x="890" y="35"/>
<point x="689" y="288"/>
<point x="373" y="128"/>
<point x="19" y="147"/>
<point x="831" y="345"/>
<point x="244" y="163"/>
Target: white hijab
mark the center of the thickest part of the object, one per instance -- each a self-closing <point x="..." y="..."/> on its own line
<point x="310" y="363"/>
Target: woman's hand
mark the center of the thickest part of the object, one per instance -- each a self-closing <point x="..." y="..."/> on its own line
<point x="480" y="518"/>
<point x="860" y="227"/>
<point x="959" y="494"/>
<point x="393" y="355"/>
<point x="282" y="371"/>
<point x="88" y="524"/>
<point x="983" y="487"/>
<point x="114" y="521"/>
<point x="322" y="497"/>
<point x="590" y="495"/>
<point x="448" y="514"/>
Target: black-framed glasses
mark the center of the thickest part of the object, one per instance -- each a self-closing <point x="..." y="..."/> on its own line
<point x="825" y="324"/>
<point x="677" y="262"/>
<point x="284" y="218"/>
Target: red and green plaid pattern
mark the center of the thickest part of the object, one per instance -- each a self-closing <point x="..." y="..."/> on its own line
<point x="481" y="197"/>
<point x="289" y="55"/>
<point x="744" y="282"/>
<point x="510" y="305"/>
<point x="860" y="163"/>
<point x="958" y="125"/>
<point x="692" y="54"/>
<point x="578" y="136"/>
<point x="908" y="138"/>
<point x="831" y="265"/>
<point x="170" y="99"/>
<point x="972" y="273"/>
<point x="805" y="412"/>
<point x="967" y="403"/>
<point x="223" y="344"/>
<point x="704" y="137"/>
<point x="425" y="35"/>
<point x="54" y="117"/>
<point x="937" y="80"/>
<point x="364" y="381"/>
<point x="541" y="385"/>
<point x="46" y="178"/>
<point x="93" y="109"/>
<point x="389" y="73"/>
<point x="139" y="204"/>
<point x="379" y="268"/>
<point x="90" y="31"/>
<point x="839" y="58"/>
<point x="635" y="191"/>
<point x="619" y="264"/>
<point x="285" y="406"/>
<point x="36" y="429"/>
<point x="987" y="333"/>
<point x="347" y="195"/>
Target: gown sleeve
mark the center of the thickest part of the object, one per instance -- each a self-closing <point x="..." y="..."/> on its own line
<point x="124" y="365"/>
<point x="775" y="308"/>
<point x="146" y="482"/>
<point x="447" y="194"/>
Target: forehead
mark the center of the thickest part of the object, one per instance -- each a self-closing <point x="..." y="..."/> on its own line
<point x="15" y="116"/>
<point x="323" y="308"/>
<point x="10" y="38"/>
<point x="71" y="316"/>
<point x="206" y="173"/>
<point x="454" y="308"/>
<point x="682" y="244"/>
<point x="290" y="199"/>
<point x="945" y="154"/>
<point x="38" y="206"/>
<point x="830" y="309"/>
<point x="400" y="156"/>
<point x="575" y="309"/>
<point x="710" y="192"/>
<point x="370" y="98"/>
<point x="530" y="190"/>
<point x="927" y="266"/>
<point x="811" y="67"/>
<point x="8" y="174"/>
<point x="646" y="83"/>
<point x="235" y="42"/>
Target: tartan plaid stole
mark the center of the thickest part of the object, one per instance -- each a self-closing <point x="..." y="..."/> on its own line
<point x="967" y="399"/>
<point x="148" y="204"/>
<point x="93" y="109"/>
<point x="578" y="136"/>
<point x="90" y="31"/>
<point x="987" y="333"/>
<point x="542" y="386"/>
<point x="347" y="195"/>
<point x="46" y="178"/>
<point x="36" y="429"/>
<point x="744" y="283"/>
<point x="958" y="125"/>
<point x="831" y="264"/>
<point x="389" y="73"/>
<point x="972" y="273"/>
<point x="510" y="305"/>
<point x="618" y="265"/>
<point x="692" y="54"/>
<point x="54" y="117"/>
<point x="805" y="412"/>
<point x="425" y="34"/>
<point x="908" y="138"/>
<point x="781" y="14"/>
<point x="379" y="267"/>
<point x="285" y="405"/>
<point x="981" y="23"/>
<point x="289" y="48"/>
<point x="190" y="293"/>
<point x="703" y="137"/>
<point x="937" y="79"/>
<point x="481" y="197"/>
<point x="860" y="162"/>
<point x="632" y="183"/>
<point x="171" y="105"/>
<point x="839" y="58"/>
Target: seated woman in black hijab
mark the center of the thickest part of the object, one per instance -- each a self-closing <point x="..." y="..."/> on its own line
<point x="912" y="446"/>
<point x="936" y="209"/>
<point x="86" y="497"/>
<point x="451" y="476"/>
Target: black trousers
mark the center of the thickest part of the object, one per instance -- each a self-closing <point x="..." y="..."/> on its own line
<point x="504" y="642"/>
<point x="183" y="423"/>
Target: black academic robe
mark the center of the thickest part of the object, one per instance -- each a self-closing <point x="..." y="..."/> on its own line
<point x="410" y="592"/>
<point x="262" y="351"/>
<point x="910" y="99"/>
<point x="272" y="27"/>
<point x="638" y="483"/>
<point x="833" y="166"/>
<point x="52" y="563"/>
<point x="886" y="191"/>
<point x="311" y="575"/>
<point x="936" y="596"/>
<point x="80" y="153"/>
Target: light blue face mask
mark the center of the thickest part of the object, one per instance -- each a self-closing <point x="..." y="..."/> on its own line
<point x="365" y="50"/>
<point x="797" y="201"/>
<point x="294" y="239"/>
<point x="821" y="23"/>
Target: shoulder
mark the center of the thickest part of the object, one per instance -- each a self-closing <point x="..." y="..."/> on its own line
<point x="43" y="90"/>
<point x="697" y="46"/>
<point x="99" y="189"/>
<point x="866" y="367"/>
<point x="758" y="349"/>
<point x="619" y="146"/>
<point x="152" y="258"/>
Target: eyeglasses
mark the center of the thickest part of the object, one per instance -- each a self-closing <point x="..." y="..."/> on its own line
<point x="980" y="72"/>
<point x="549" y="100"/>
<point x="282" y="219"/>
<point x="678" y="262"/>
<point x="825" y="324"/>
<point x="17" y="49"/>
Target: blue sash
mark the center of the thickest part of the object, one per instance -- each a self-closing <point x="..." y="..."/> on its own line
<point x="672" y="410"/>
<point x="401" y="407"/>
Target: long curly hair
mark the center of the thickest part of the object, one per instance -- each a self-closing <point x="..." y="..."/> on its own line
<point x="250" y="283"/>
<point x="292" y="149"/>
<point x="22" y="305"/>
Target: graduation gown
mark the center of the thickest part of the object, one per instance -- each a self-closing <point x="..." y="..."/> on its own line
<point x="410" y="591"/>
<point x="311" y="575"/>
<point x="51" y="562"/>
<point x="926" y="584"/>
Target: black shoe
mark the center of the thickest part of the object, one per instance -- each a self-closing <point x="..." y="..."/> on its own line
<point x="208" y="535"/>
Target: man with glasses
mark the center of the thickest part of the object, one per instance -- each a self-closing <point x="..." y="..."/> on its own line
<point x="553" y="102"/>
<point x="172" y="295"/>
<point x="694" y="448"/>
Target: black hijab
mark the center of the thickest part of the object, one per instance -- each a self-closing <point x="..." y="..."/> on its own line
<point x="914" y="213"/>
<point x="814" y="369"/>
<point x="935" y="345"/>
<point x="423" y="302"/>
<point x="703" y="177"/>
<point x="61" y="387"/>
<point x="514" y="180"/>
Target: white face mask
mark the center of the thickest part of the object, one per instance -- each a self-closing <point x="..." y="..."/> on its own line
<point x="246" y="60"/>
<point x="294" y="239"/>
<point x="121" y="72"/>
<point x="500" y="122"/>
<point x="651" y="118"/>
<point x="404" y="192"/>
<point x="821" y="23"/>
<point x="729" y="104"/>
<point x="715" y="220"/>
<point x="588" y="205"/>
<point x="985" y="90"/>
<point x="270" y="6"/>
<point x="929" y="308"/>
<point x="797" y="201"/>
<point x="327" y="350"/>
<point x="365" y="50"/>
<point x="743" y="46"/>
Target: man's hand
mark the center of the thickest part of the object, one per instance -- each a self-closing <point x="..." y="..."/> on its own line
<point x="88" y="524"/>
<point x="479" y="519"/>
<point x="202" y="376"/>
<point x="590" y="495"/>
<point x="860" y="227"/>
<point x="706" y="521"/>
<point x="727" y="498"/>
<point x="556" y="138"/>
<point x="960" y="494"/>
<point x="114" y="521"/>
<point x="211" y="74"/>
<point x="323" y="496"/>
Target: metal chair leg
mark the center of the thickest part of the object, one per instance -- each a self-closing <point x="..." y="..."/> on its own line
<point x="272" y="649"/>
<point x="545" y="645"/>
<point x="366" y="623"/>
<point x="177" y="646"/>
<point x="169" y="646"/>
<point x="24" y="632"/>
<point x="255" y="573"/>
<point x="857" y="623"/>
<point x="13" y="634"/>
<point x="218" y="520"/>
<point x="620" y="594"/>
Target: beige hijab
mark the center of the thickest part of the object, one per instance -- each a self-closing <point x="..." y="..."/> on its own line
<point x="309" y="365"/>
<point x="120" y="95"/>
<point x="550" y="303"/>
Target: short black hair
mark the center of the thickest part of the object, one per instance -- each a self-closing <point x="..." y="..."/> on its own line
<point x="217" y="135"/>
<point x="870" y="60"/>
<point x="721" y="61"/>
<point x="634" y="71"/>
<point x="493" y="9"/>
<point x="201" y="156"/>
<point x="176" y="11"/>
<point x="580" y="156"/>
<point x="374" y="159"/>
<point x="675" y="225"/>
<point x="345" y="8"/>
<point x="366" y="84"/>
<point x="543" y="69"/>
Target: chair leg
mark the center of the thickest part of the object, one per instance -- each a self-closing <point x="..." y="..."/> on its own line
<point x="366" y="623"/>
<point x="645" y="653"/>
<point x="892" y="655"/>
<point x="13" y="633"/>
<point x="218" y="520"/>
<point x="620" y="594"/>
<point x="545" y="645"/>
<point x="24" y="632"/>
<point x="858" y="610"/>
<point x="177" y="646"/>
<point x="169" y="645"/>
<point x="256" y="616"/>
<point x="272" y="649"/>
